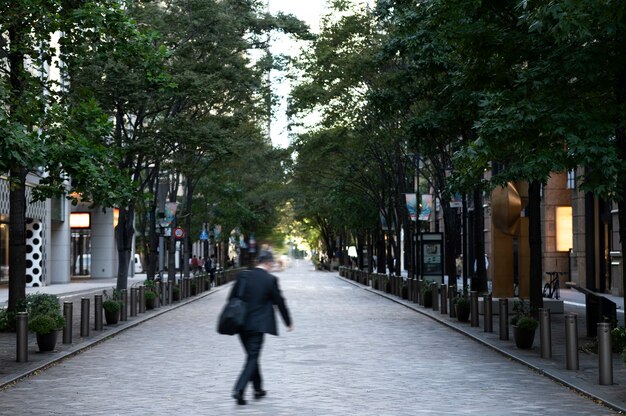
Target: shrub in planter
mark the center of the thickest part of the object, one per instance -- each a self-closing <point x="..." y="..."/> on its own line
<point x="46" y="327"/>
<point x="524" y="326"/>
<point x="44" y="324"/>
<point x="176" y="293"/>
<point x="462" y="305"/>
<point x="150" y="298"/>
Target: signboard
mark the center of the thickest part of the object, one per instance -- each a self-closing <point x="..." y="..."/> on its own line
<point x="179" y="232"/>
<point x="204" y="236"/>
<point x="432" y="255"/>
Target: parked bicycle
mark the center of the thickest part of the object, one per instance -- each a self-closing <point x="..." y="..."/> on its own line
<point x="552" y="288"/>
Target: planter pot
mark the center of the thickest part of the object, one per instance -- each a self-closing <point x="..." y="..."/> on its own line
<point x="462" y="313"/>
<point x="405" y="292"/>
<point x="428" y="299"/>
<point x="523" y="337"/>
<point x="47" y="342"/>
<point x="176" y="295"/>
<point x="150" y="303"/>
<point x="112" y="317"/>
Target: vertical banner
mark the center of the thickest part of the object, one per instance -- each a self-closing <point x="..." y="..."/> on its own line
<point x="411" y="205"/>
<point x="383" y="222"/>
<point x="427" y="207"/>
<point x="170" y="212"/>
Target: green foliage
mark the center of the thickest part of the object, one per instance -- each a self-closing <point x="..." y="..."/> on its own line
<point x="522" y="316"/>
<point x="150" y="295"/>
<point x="39" y="304"/>
<point x="4" y="320"/>
<point x="44" y="324"/>
<point x="618" y="339"/>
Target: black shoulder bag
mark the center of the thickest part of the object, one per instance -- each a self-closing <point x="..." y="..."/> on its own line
<point x="233" y="315"/>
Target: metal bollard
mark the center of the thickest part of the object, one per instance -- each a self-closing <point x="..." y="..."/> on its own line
<point x="474" y="308"/>
<point x="545" y="333"/>
<point x="503" y="303"/>
<point x="488" y="309"/>
<point x="452" y="298"/>
<point x="84" y="317"/>
<point x="420" y="293"/>
<point x="22" y="337"/>
<point x="605" y="355"/>
<point x="97" y="310"/>
<point x="157" y="290"/>
<point x="444" y="299"/>
<point x="68" y="308"/>
<point x="571" y="342"/>
<point x="435" y="295"/>
<point x="124" y="314"/>
<point x="170" y="292"/>
<point x="142" y="299"/>
<point x="164" y="293"/>
<point x="133" y="301"/>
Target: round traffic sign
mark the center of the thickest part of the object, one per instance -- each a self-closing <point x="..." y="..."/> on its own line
<point x="179" y="232"/>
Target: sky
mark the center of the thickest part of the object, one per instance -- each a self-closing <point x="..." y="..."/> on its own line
<point x="310" y="11"/>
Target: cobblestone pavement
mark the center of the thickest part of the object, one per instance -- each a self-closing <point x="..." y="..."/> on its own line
<point x="352" y="352"/>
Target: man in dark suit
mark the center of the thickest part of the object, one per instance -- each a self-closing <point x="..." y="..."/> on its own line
<point x="261" y="293"/>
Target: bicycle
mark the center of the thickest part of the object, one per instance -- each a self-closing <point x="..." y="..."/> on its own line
<point x="552" y="288"/>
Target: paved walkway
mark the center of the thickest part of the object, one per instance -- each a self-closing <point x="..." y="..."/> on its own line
<point x="353" y="351"/>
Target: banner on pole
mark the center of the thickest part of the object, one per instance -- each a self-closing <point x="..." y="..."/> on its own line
<point x="427" y="207"/>
<point x="411" y="205"/>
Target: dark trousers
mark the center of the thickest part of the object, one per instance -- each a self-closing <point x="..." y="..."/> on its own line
<point x="252" y="343"/>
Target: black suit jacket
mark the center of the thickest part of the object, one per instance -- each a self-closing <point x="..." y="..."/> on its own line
<point x="261" y="293"/>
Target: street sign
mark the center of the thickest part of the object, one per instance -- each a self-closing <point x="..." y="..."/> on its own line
<point x="179" y="232"/>
<point x="204" y="235"/>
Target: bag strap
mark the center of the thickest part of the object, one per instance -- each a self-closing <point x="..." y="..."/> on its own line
<point x="242" y="286"/>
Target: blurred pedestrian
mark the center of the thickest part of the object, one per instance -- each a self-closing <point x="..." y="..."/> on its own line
<point x="261" y="292"/>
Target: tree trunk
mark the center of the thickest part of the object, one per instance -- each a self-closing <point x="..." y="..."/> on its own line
<point x="17" y="240"/>
<point x="479" y="280"/>
<point x="124" y="233"/>
<point x="451" y="230"/>
<point x="620" y="139"/>
<point x="534" y="239"/>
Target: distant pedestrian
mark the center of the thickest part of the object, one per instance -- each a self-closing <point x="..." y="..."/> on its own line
<point x="261" y="293"/>
<point x="210" y="266"/>
<point x="194" y="264"/>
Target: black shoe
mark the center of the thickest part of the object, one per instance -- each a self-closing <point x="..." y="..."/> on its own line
<point x="238" y="395"/>
<point x="259" y="393"/>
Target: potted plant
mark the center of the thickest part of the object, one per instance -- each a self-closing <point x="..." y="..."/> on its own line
<point x="427" y="293"/>
<point x="112" y="306"/>
<point x="462" y="307"/>
<point x="150" y="298"/>
<point x="176" y="293"/>
<point x="524" y="325"/>
<point x="46" y="328"/>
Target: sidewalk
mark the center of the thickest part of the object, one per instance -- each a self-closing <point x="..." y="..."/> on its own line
<point x="584" y="381"/>
<point x="11" y="371"/>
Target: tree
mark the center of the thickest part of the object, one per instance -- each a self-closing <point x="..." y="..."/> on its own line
<point x="43" y="131"/>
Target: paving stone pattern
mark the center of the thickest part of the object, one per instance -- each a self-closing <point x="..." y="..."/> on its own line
<point x="352" y="352"/>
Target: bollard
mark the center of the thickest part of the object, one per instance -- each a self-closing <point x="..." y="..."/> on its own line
<point x="133" y="301"/>
<point x="420" y="293"/>
<point x="97" y="312"/>
<point x="164" y="293"/>
<point x="474" y="308"/>
<point x="488" y="317"/>
<point x="68" y="308"/>
<point x="141" y="300"/>
<point x="435" y="296"/>
<point x="605" y="355"/>
<point x="503" y="303"/>
<point x="84" y="317"/>
<point x="170" y="292"/>
<point x="571" y="342"/>
<point x="452" y="297"/>
<point x="124" y="314"/>
<point x="157" y="301"/>
<point x="444" y="299"/>
<point x="545" y="333"/>
<point x="22" y="337"/>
